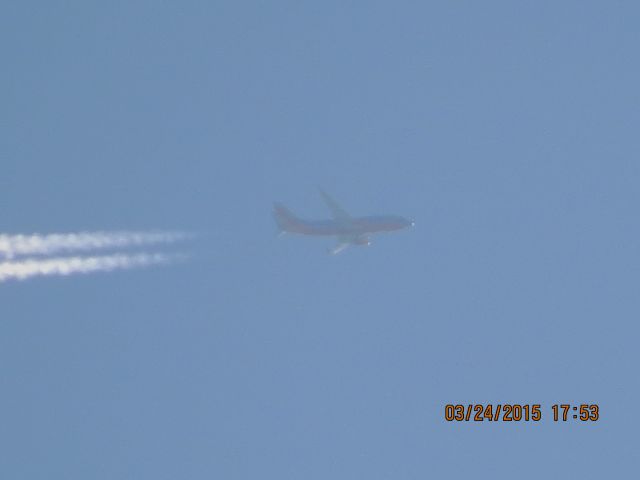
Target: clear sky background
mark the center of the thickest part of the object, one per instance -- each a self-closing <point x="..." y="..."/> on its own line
<point x="507" y="130"/>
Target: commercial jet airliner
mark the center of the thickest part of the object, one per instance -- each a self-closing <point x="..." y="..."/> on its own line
<point x="347" y="229"/>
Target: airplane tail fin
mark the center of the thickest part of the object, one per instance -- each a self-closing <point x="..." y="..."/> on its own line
<point x="285" y="220"/>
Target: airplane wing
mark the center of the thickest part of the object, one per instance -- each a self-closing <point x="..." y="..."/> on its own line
<point x="337" y="212"/>
<point x="345" y="240"/>
<point x="338" y="248"/>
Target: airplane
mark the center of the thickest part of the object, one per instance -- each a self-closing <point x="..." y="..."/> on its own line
<point x="348" y="230"/>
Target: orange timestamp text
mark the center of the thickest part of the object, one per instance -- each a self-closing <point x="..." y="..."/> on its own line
<point x="519" y="412"/>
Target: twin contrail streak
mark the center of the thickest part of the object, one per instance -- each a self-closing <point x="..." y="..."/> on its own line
<point x="19" y="245"/>
<point x="24" y="269"/>
<point x="63" y="254"/>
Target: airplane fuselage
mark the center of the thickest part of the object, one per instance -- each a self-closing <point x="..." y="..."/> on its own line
<point x="355" y="227"/>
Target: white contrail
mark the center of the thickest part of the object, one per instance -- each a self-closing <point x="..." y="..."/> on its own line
<point x="16" y="245"/>
<point x="24" y="269"/>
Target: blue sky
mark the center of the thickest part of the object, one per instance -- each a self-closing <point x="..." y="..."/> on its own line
<point x="507" y="130"/>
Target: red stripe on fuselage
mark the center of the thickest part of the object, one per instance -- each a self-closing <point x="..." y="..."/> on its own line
<point x="358" y="226"/>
